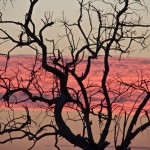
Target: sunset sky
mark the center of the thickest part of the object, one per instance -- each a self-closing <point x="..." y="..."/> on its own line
<point x="130" y="68"/>
<point x="57" y="8"/>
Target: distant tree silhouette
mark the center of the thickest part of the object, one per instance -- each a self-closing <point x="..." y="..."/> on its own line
<point x="102" y="28"/>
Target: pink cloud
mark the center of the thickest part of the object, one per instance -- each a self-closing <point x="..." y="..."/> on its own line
<point x="128" y="69"/>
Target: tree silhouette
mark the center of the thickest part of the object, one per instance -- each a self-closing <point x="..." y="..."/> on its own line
<point x="96" y="35"/>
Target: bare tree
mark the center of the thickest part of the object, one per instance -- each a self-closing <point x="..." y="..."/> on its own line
<point x="49" y="71"/>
